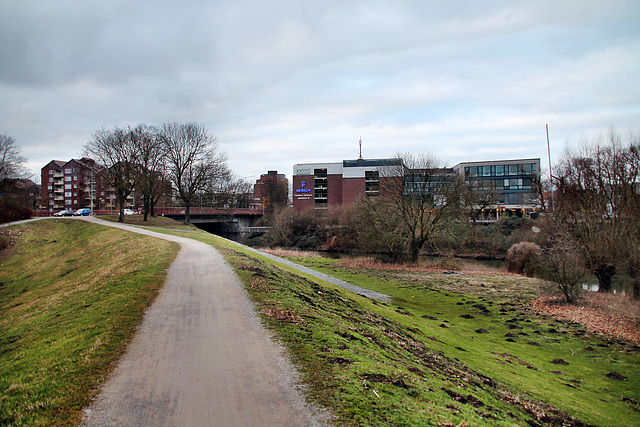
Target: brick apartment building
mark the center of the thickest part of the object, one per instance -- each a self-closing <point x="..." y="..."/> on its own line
<point x="76" y="184"/>
<point x="321" y="185"/>
<point x="70" y="185"/>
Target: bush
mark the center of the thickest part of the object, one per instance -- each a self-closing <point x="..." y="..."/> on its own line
<point x="524" y="258"/>
<point x="563" y="266"/>
<point x="10" y="212"/>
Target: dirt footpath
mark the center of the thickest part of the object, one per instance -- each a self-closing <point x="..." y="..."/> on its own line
<point x="201" y="356"/>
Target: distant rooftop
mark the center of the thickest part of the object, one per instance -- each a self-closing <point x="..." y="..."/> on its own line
<point x="371" y="162"/>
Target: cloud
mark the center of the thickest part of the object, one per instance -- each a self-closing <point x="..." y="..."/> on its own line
<point x="285" y="81"/>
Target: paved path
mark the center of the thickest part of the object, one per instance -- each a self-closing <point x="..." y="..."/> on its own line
<point x="353" y="288"/>
<point x="201" y="356"/>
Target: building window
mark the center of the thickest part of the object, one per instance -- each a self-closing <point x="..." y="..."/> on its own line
<point x="320" y="187"/>
<point x="75" y="202"/>
<point x="67" y="178"/>
<point x="67" y="186"/>
<point x="372" y="183"/>
<point x="50" y="171"/>
<point x="67" y="194"/>
<point x="75" y="177"/>
<point x="67" y="202"/>
<point x="67" y="171"/>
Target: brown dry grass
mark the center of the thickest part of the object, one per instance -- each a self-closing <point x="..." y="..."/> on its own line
<point x="444" y="264"/>
<point x="613" y="314"/>
<point x="286" y="252"/>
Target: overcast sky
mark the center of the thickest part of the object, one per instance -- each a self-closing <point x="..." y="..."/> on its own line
<point x="281" y="82"/>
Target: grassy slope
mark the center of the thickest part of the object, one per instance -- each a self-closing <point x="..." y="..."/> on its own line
<point x="483" y="321"/>
<point x="71" y="295"/>
<point x="419" y="362"/>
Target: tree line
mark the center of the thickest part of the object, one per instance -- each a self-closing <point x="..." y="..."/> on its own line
<point x="182" y="156"/>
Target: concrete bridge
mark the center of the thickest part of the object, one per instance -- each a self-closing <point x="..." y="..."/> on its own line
<point x="232" y="224"/>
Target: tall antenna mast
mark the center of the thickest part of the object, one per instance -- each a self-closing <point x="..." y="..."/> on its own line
<point x="360" y="142"/>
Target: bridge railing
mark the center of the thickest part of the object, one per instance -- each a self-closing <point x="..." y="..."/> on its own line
<point x="166" y="211"/>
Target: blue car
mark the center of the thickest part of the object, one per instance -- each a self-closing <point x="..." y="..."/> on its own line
<point x="82" y="212"/>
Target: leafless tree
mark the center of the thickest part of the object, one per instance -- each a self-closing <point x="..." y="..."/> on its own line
<point x="117" y="150"/>
<point x="228" y="192"/>
<point x="417" y="198"/>
<point x="11" y="162"/>
<point x="598" y="205"/>
<point x="193" y="161"/>
<point x="151" y="182"/>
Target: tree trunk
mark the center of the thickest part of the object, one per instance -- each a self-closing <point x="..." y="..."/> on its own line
<point x="147" y="204"/>
<point x="635" y="290"/>
<point x="187" y="214"/>
<point x="121" y="202"/>
<point x="604" y="273"/>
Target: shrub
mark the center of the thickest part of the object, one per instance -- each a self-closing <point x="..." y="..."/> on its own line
<point x="524" y="258"/>
<point x="565" y="269"/>
<point x="10" y="212"/>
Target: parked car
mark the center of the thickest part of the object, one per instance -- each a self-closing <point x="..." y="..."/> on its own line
<point x="82" y="212"/>
<point x="128" y="212"/>
<point x="66" y="212"/>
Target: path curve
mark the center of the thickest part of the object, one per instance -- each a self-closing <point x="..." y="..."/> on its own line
<point x="201" y="357"/>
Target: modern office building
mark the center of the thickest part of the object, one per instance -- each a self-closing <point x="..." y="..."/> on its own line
<point x="507" y="184"/>
<point x="504" y="186"/>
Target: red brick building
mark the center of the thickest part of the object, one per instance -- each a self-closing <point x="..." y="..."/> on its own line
<point x="69" y="185"/>
<point x="321" y="185"/>
<point x="272" y="189"/>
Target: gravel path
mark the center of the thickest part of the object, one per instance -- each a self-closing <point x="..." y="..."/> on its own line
<point x="201" y="356"/>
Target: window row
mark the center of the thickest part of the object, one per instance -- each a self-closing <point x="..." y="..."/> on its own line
<point x="501" y="170"/>
<point x="502" y="184"/>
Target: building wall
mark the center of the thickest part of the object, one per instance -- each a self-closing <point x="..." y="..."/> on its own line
<point x="352" y="179"/>
<point x="334" y="190"/>
<point x="52" y="190"/>
<point x="352" y="190"/>
<point x="303" y="192"/>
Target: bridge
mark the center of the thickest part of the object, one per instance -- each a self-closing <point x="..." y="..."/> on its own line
<point x="230" y="223"/>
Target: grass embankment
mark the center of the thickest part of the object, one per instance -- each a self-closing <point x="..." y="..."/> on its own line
<point x="460" y="349"/>
<point x="71" y="296"/>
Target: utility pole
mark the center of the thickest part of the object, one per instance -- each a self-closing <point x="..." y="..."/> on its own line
<point x="550" y="175"/>
<point x="360" y="142"/>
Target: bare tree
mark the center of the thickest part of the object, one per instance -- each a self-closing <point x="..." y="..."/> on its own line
<point x="417" y="198"/>
<point x="11" y="162"/>
<point x="193" y="161"/>
<point x="599" y="205"/>
<point x="228" y="191"/>
<point x="117" y="150"/>
<point x="151" y="181"/>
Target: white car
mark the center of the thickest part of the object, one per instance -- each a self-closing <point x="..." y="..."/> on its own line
<point x="128" y="212"/>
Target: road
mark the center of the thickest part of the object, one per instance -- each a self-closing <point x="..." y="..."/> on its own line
<point x="201" y="357"/>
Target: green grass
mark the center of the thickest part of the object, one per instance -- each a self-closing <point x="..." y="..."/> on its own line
<point x="418" y="361"/>
<point x="483" y="321"/>
<point x="71" y="295"/>
<point x="450" y="349"/>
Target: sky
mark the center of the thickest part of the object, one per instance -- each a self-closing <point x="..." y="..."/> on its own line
<point x="282" y="82"/>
